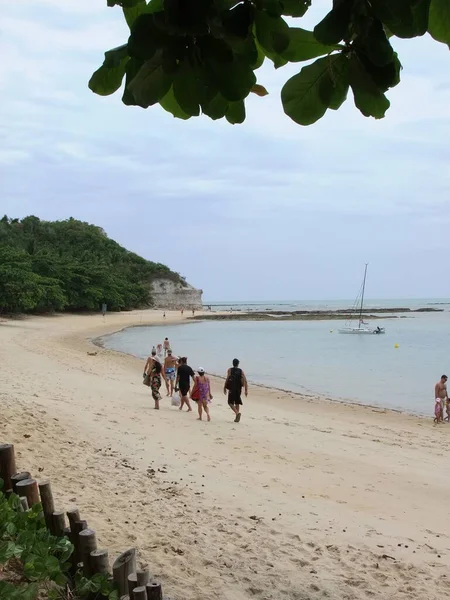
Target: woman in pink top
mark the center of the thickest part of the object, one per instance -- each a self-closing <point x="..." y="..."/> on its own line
<point x="203" y="391"/>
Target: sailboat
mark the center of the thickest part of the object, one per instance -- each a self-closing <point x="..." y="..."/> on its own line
<point x="359" y="306"/>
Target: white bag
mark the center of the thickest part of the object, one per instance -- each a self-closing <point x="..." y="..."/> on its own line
<point x="176" y="400"/>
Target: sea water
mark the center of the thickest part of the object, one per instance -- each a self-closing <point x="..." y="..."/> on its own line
<point x="311" y="357"/>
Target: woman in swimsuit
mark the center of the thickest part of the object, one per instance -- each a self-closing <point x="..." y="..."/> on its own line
<point x="203" y="388"/>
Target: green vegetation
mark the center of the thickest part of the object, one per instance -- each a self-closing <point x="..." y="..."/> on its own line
<point x="35" y="564"/>
<point x="70" y="265"/>
<point x="200" y="57"/>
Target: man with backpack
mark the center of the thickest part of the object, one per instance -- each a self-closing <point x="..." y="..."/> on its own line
<point x="234" y="382"/>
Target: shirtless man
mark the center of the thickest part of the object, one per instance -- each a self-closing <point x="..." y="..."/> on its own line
<point x="166" y="346"/>
<point x="170" y="369"/>
<point x="440" y="392"/>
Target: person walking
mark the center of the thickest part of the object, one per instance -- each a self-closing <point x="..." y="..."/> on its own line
<point x="234" y="382"/>
<point x="166" y="346"/>
<point x="440" y="398"/>
<point x="183" y="382"/>
<point x="202" y="387"/>
<point x="170" y="370"/>
<point x="153" y="371"/>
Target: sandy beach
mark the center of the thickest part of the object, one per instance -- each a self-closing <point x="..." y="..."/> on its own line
<point x="304" y="499"/>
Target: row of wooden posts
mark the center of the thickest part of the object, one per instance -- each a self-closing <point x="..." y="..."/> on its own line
<point x="132" y="584"/>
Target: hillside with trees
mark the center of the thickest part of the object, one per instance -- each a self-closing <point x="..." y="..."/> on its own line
<point x="70" y="265"/>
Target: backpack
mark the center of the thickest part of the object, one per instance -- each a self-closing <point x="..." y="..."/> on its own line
<point x="234" y="380"/>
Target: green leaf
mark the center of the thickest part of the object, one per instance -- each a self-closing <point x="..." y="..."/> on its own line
<point x="319" y="86"/>
<point x="238" y="21"/>
<point x="114" y="595"/>
<point x="115" y="56"/>
<point x="10" y="528"/>
<point x="6" y="551"/>
<point x="334" y="27"/>
<point x="272" y="33"/>
<point x="123" y="3"/>
<point x="188" y="88"/>
<point x="236" y="112"/>
<point x="106" y="80"/>
<point x="170" y="104"/>
<point x="259" y="90"/>
<point x="304" y="46"/>
<point x="439" y="21"/>
<point x="150" y="84"/>
<point x="368" y="97"/>
<point x="295" y="8"/>
<point x="232" y="79"/>
<point x="215" y="108"/>
<point x="376" y="44"/>
<point x="146" y="37"/>
<point x="131" y="13"/>
<point x="384" y="77"/>
<point x="405" y="18"/>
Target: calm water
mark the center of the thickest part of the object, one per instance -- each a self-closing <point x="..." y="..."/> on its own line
<point x="311" y="357"/>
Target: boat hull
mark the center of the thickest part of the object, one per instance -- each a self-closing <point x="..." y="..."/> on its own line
<point x="361" y="331"/>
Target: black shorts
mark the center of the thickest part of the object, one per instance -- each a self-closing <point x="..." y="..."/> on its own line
<point x="184" y="389"/>
<point x="234" y="398"/>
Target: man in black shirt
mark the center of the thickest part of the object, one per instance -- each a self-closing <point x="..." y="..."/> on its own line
<point x="234" y="382"/>
<point x="183" y="382"/>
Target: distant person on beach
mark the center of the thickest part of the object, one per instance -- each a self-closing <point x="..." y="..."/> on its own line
<point x="234" y="382"/>
<point x="441" y="397"/>
<point x="164" y="315"/>
<point x="153" y="370"/>
<point x="159" y="350"/>
<point x="202" y="393"/>
<point x="182" y="311"/>
<point x="170" y="369"/>
<point x="183" y="382"/>
<point x="193" y="312"/>
<point x="166" y="346"/>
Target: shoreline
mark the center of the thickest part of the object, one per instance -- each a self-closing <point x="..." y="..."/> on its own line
<point x="303" y="496"/>
<point x="312" y="396"/>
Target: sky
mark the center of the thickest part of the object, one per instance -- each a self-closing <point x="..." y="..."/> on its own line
<point x="267" y="210"/>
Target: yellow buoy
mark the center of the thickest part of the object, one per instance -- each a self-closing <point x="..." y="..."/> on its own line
<point x="396" y="346"/>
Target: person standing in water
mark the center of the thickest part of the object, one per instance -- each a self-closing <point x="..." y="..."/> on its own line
<point x="441" y="396"/>
<point x="183" y="382"/>
<point x="166" y="346"/>
<point x="170" y="370"/>
<point x="234" y="382"/>
<point x="203" y="387"/>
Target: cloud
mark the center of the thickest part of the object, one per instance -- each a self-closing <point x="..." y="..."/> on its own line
<point x="223" y="203"/>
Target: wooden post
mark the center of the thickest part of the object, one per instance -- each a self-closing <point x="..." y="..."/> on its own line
<point x="139" y="593"/>
<point x="58" y="523"/>
<point x="88" y="543"/>
<point x="75" y="539"/>
<point x="143" y="577"/>
<point x="154" y="591"/>
<point x="7" y="465"/>
<point x="124" y="564"/>
<point x="24" y="503"/>
<point x="28" y="488"/>
<point x="19" y="477"/>
<point x="48" y="504"/>
<point x="73" y="516"/>
<point x="99" y="562"/>
<point x="132" y="583"/>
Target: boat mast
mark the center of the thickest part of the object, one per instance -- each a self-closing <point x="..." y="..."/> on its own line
<point x="362" y="297"/>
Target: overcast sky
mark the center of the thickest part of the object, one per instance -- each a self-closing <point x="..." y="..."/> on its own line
<point x="264" y="210"/>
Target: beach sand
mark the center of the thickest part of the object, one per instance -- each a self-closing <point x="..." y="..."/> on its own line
<point x="304" y="499"/>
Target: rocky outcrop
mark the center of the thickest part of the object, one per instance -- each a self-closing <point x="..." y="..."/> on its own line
<point x="174" y="295"/>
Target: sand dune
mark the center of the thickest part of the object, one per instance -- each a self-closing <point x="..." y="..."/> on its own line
<point x="305" y="498"/>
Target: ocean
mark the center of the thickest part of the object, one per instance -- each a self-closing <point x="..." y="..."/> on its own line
<point x="311" y="357"/>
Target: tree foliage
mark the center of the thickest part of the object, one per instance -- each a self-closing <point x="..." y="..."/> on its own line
<point x="200" y="56"/>
<point x="70" y="265"/>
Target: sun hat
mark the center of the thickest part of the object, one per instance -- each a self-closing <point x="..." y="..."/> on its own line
<point x="201" y="371"/>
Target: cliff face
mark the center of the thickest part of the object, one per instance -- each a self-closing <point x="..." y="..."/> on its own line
<point x="174" y="296"/>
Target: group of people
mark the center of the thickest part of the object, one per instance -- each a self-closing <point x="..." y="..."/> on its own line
<point x="441" y="401"/>
<point x="180" y="378"/>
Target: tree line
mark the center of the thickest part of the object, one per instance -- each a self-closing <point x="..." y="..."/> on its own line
<point x="70" y="265"/>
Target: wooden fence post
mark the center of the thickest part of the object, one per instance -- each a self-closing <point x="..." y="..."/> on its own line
<point x="143" y="577"/>
<point x="154" y="591"/>
<point x="7" y="465"/>
<point x="132" y="583"/>
<point x="19" y="477"/>
<point x="59" y="523"/>
<point x="140" y="593"/>
<point x="28" y="488"/>
<point x="124" y="564"/>
<point x="88" y="543"/>
<point x="48" y="504"/>
<point x="99" y="562"/>
<point x="24" y="503"/>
